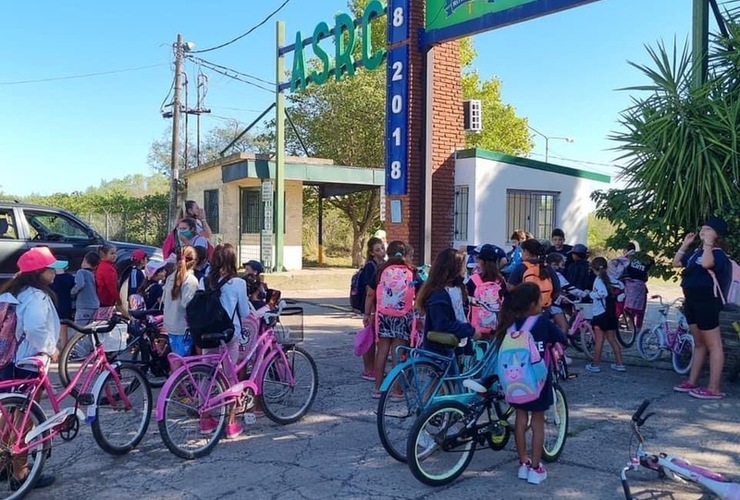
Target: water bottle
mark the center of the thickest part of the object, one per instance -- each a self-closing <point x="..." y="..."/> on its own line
<point x="250" y="418"/>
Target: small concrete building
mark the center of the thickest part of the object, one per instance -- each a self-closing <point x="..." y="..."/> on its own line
<point x="237" y="194"/>
<point x="496" y="194"/>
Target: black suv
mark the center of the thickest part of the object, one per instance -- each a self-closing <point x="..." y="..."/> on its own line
<point x="23" y="226"/>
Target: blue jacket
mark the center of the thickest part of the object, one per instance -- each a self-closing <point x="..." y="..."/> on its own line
<point x="440" y="317"/>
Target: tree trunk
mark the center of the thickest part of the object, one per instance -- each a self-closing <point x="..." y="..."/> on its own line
<point x="361" y="209"/>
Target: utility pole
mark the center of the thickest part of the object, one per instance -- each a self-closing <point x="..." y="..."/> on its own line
<point x="175" y="158"/>
<point x="700" y="41"/>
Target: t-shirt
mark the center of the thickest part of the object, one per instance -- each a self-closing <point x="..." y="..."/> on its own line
<point x="697" y="279"/>
<point x="153" y="296"/>
<point x="544" y="332"/>
<point x="562" y="251"/>
<point x="638" y="269"/>
<point x="62" y="286"/>
<point x="135" y="279"/>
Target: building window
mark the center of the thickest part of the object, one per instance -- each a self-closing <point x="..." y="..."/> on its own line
<point x="461" y="213"/>
<point x="251" y="211"/>
<point x="532" y="211"/>
<point x="210" y="205"/>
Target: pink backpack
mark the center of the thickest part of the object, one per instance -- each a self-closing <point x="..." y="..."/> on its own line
<point x="488" y="292"/>
<point x="8" y="342"/>
<point x="394" y="295"/>
<point x="731" y="295"/>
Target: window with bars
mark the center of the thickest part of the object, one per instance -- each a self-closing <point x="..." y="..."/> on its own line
<point x="532" y="211"/>
<point x="210" y="206"/>
<point x="251" y="211"/>
<point x="461" y="213"/>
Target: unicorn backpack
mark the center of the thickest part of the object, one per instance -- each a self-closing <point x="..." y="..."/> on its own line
<point x="394" y="295"/>
<point x="521" y="370"/>
<point x="484" y="319"/>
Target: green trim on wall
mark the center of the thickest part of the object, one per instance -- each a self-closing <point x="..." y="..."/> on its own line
<point x="305" y="172"/>
<point x="533" y="164"/>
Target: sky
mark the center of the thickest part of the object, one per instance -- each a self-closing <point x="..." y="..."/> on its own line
<point x="560" y="71"/>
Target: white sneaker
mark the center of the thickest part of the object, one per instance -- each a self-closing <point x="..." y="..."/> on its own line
<point x="523" y="471"/>
<point x="593" y="368"/>
<point x="474" y="386"/>
<point x="618" y="368"/>
<point x="536" y="476"/>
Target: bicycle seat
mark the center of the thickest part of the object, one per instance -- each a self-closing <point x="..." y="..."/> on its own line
<point x="224" y="336"/>
<point x="443" y="338"/>
<point x="94" y="327"/>
<point x="143" y="313"/>
<point x="33" y="363"/>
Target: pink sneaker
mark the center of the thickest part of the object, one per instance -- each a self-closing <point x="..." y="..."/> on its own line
<point x="233" y="430"/>
<point x="704" y="393"/>
<point x="208" y="425"/>
<point x="685" y="386"/>
<point x="369" y="375"/>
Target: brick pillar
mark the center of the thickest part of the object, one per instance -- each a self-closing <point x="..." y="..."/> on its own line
<point x="448" y="134"/>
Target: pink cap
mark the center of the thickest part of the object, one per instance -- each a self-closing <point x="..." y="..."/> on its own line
<point x="39" y="258"/>
<point x="153" y="267"/>
<point x="138" y="254"/>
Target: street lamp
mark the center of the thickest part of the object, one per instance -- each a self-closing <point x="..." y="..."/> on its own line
<point x="547" y="140"/>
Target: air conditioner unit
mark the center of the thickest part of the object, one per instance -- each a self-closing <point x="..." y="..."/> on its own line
<point x="472" y="116"/>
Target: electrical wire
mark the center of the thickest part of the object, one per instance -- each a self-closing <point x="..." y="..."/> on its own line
<point x="225" y="72"/>
<point x="578" y="161"/>
<point x="247" y="75"/>
<point x="84" y="75"/>
<point x="250" y="30"/>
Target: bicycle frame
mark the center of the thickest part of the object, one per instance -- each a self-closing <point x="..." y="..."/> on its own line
<point x="669" y="336"/>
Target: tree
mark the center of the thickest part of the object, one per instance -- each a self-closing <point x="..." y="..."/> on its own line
<point x="680" y="143"/>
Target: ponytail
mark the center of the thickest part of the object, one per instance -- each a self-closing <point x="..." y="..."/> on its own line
<point x="186" y="263"/>
<point x="599" y="267"/>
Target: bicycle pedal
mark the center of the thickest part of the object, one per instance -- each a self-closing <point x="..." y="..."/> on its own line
<point x="86" y="398"/>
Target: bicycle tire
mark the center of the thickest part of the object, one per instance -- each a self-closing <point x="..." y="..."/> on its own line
<point x="683" y="354"/>
<point x="270" y="398"/>
<point x="72" y="352"/>
<point x="627" y="331"/>
<point x="558" y="412"/>
<point x="183" y="380"/>
<point x="587" y="340"/>
<point x="388" y="407"/>
<point x="648" y="343"/>
<point x="419" y="441"/>
<point x="106" y="398"/>
<point x="39" y="457"/>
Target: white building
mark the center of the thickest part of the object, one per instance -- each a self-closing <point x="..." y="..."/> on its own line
<point x="496" y="194"/>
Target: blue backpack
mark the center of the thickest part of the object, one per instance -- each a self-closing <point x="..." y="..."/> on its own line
<point x="522" y="372"/>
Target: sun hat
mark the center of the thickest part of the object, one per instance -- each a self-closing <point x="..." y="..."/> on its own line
<point x="153" y="267"/>
<point x="718" y="224"/>
<point x="39" y="258"/>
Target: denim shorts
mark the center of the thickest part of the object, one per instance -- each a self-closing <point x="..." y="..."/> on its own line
<point x="182" y="345"/>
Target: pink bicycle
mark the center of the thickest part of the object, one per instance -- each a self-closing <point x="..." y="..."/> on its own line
<point x="118" y="403"/>
<point x="667" y="465"/>
<point x="283" y="376"/>
<point x="664" y="336"/>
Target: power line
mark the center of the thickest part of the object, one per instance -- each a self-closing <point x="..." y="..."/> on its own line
<point x="580" y="161"/>
<point x="85" y="75"/>
<point x="247" y="75"/>
<point x="246" y="32"/>
<point x="225" y="72"/>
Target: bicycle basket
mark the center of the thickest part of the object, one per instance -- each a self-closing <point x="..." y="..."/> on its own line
<point x="289" y="328"/>
<point x="587" y="310"/>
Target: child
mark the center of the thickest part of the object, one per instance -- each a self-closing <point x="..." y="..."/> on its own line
<point x="136" y="275"/>
<point x="578" y="272"/>
<point x="514" y="257"/>
<point x="256" y="288"/>
<point x="62" y="286"/>
<point x="533" y="269"/>
<point x="488" y="285"/>
<point x="375" y="257"/>
<point x="179" y="290"/>
<point x="556" y="262"/>
<point x="605" y="321"/>
<point x="442" y="299"/>
<point x="85" y="289"/>
<point x="202" y="267"/>
<point x="524" y="302"/>
<point x="152" y="289"/>
<point x="106" y="277"/>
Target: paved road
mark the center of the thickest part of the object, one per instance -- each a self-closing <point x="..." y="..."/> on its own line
<point x="335" y="453"/>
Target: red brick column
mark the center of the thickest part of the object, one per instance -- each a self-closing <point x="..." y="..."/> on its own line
<point x="448" y="135"/>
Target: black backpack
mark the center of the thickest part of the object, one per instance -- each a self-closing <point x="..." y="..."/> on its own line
<point x="357" y="290"/>
<point x="206" y="316"/>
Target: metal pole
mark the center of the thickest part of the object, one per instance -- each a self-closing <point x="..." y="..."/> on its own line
<point x="175" y="158"/>
<point x="700" y="41"/>
<point x="321" y="226"/>
<point x="429" y="158"/>
<point x="279" y="210"/>
<point x="547" y="148"/>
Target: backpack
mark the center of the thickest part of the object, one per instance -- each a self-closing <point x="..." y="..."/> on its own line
<point x="731" y="295"/>
<point x="532" y="274"/>
<point x="395" y="295"/>
<point x="8" y="322"/>
<point x="522" y="372"/>
<point x="617" y="297"/>
<point x="488" y="292"/>
<point x="205" y="315"/>
<point x="136" y="302"/>
<point x="357" y="289"/>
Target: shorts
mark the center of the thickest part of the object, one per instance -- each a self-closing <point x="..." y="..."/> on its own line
<point x="543" y="403"/>
<point x="605" y="322"/>
<point x="182" y="345"/>
<point x="395" y="327"/>
<point x="704" y="313"/>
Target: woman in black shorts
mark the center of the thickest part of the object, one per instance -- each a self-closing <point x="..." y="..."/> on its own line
<point x="702" y="305"/>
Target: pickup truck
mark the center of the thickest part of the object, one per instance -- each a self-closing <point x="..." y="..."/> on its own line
<point x="23" y="226"/>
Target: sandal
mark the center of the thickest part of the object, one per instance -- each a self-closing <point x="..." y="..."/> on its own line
<point x="704" y="393"/>
<point x="376" y="394"/>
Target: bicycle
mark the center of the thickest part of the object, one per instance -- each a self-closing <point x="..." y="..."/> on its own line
<point x="452" y="426"/>
<point x="580" y="333"/>
<point x="146" y="347"/>
<point x="627" y="331"/>
<point x="651" y="342"/>
<point x="208" y="386"/>
<point x="108" y="391"/>
<point x="667" y="465"/>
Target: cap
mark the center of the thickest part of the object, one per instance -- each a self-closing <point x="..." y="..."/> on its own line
<point x="153" y="267"/>
<point x="579" y="248"/>
<point x="138" y="254"/>
<point x="256" y="265"/>
<point x="39" y="258"/>
<point x="718" y="224"/>
<point x="489" y="253"/>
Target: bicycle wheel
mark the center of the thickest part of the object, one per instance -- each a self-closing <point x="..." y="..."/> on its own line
<point x="556" y="426"/>
<point x="16" y="405"/>
<point x="683" y="354"/>
<point x="285" y="401"/>
<point x="121" y="423"/>
<point x="71" y="360"/>
<point x="431" y="460"/>
<point x="626" y="333"/>
<point x="587" y="340"/>
<point x="648" y="343"/>
<point x="185" y="431"/>
<point x="401" y="404"/>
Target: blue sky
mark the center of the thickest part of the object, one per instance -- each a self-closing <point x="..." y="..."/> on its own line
<point x="560" y="71"/>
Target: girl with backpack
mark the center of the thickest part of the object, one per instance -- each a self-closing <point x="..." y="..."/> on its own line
<point x="179" y="290"/>
<point x="605" y="321"/>
<point x="487" y="287"/>
<point x="533" y="269"/>
<point x="152" y="289"/>
<point x="390" y="297"/>
<point x="374" y="258"/>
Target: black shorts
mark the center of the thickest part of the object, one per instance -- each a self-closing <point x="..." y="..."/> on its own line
<point x="605" y="322"/>
<point x="704" y="313"/>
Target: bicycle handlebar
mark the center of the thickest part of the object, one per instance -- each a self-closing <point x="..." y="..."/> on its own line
<point x="94" y="327"/>
<point x="637" y="416"/>
<point x="143" y="313"/>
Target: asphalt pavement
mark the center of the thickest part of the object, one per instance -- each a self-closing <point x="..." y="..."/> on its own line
<point x="334" y="452"/>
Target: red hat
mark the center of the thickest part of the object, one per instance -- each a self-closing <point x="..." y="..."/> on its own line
<point x="138" y="254"/>
<point x="39" y="258"/>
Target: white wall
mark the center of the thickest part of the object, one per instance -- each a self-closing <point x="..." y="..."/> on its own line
<point x="292" y="255"/>
<point x="489" y="180"/>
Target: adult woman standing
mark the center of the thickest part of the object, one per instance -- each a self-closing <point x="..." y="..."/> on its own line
<point x="702" y="305"/>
